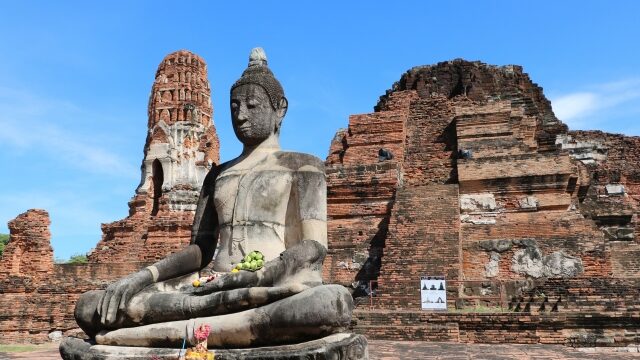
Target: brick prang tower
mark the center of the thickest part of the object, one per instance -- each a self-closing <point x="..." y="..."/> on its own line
<point x="180" y="148"/>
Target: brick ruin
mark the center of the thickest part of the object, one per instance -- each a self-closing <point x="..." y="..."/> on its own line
<point x="461" y="171"/>
<point x="181" y="147"/>
<point x="29" y="241"/>
<point x="37" y="296"/>
<point x="464" y="171"/>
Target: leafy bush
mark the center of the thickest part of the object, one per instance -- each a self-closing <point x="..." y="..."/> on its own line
<point x="4" y="240"/>
<point x="77" y="259"/>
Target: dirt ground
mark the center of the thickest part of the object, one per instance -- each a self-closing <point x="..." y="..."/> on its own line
<point x="392" y="350"/>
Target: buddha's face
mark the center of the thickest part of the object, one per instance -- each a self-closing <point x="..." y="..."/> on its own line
<point x="253" y="117"/>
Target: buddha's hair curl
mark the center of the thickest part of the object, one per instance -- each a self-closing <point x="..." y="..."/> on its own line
<point x="258" y="73"/>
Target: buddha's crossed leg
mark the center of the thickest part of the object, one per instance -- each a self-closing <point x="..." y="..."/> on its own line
<point x="296" y="271"/>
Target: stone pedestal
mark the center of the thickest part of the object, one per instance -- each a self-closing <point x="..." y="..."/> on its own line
<point x="342" y="346"/>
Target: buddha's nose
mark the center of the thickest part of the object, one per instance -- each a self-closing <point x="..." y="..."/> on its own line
<point x="242" y="113"/>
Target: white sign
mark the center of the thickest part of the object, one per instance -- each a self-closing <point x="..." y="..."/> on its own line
<point x="433" y="293"/>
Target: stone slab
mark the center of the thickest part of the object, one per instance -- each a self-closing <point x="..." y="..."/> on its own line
<point x="342" y="346"/>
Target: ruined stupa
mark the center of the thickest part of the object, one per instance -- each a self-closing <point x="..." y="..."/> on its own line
<point x="181" y="147"/>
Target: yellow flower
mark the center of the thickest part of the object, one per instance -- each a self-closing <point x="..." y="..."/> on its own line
<point x="196" y="283"/>
<point x="235" y="270"/>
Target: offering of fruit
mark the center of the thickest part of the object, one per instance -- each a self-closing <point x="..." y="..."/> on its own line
<point x="253" y="261"/>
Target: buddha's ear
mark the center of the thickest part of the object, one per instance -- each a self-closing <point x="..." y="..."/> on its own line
<point x="283" y="105"/>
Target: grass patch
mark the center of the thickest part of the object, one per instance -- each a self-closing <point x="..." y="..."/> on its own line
<point x="17" y="348"/>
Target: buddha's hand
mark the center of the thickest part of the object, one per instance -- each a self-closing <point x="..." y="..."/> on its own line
<point x="242" y="279"/>
<point x="301" y="264"/>
<point x="117" y="295"/>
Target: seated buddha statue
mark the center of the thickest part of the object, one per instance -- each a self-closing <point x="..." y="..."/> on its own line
<point x="265" y="200"/>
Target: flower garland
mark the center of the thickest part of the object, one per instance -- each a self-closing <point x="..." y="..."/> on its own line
<point x="200" y="352"/>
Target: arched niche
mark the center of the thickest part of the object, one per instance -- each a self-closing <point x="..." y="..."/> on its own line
<point x="157" y="176"/>
<point x="165" y="115"/>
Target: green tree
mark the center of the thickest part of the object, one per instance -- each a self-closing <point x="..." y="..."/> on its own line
<point x="4" y="240"/>
<point x="77" y="259"/>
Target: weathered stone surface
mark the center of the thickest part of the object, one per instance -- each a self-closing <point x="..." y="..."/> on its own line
<point x="531" y="262"/>
<point x="340" y="346"/>
<point x="614" y="189"/>
<point x="55" y="336"/>
<point x="619" y="232"/>
<point x="477" y="202"/>
<point x="528" y="202"/>
<point x="492" y="268"/>
<point x="495" y="245"/>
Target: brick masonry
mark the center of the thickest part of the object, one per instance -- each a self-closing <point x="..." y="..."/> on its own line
<point x="522" y="216"/>
<point x="181" y="147"/>
<point x="462" y="170"/>
<point x="38" y="296"/>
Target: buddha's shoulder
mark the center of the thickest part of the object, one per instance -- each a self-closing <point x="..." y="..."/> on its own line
<point x="296" y="161"/>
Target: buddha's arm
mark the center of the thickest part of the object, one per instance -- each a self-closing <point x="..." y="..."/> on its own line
<point x="311" y="187"/>
<point x="204" y="238"/>
<point x="192" y="258"/>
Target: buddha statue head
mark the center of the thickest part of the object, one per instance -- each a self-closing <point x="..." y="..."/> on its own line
<point x="258" y="104"/>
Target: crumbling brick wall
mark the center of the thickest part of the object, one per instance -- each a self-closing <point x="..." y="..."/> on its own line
<point x="29" y="249"/>
<point x="613" y="199"/>
<point x="34" y="307"/>
<point x="363" y="171"/>
<point x="419" y="243"/>
<point x="544" y="220"/>
<point x="36" y="295"/>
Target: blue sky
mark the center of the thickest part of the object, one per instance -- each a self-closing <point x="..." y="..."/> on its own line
<point x="75" y="79"/>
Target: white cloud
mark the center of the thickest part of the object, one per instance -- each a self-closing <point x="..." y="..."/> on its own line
<point x="570" y="106"/>
<point x="585" y="109"/>
<point x="26" y="123"/>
